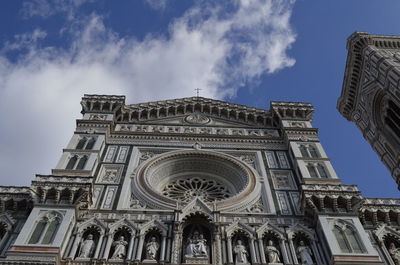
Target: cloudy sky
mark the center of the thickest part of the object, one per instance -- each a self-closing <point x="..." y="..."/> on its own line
<point x="245" y="51"/>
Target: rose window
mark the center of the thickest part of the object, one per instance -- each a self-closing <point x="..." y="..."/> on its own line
<point x="182" y="176"/>
<point x="186" y="189"/>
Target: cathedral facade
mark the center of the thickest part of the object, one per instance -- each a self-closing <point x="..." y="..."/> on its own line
<point x="195" y="181"/>
<point x="371" y="96"/>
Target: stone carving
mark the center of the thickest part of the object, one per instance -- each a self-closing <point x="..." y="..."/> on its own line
<point x="197" y="246"/>
<point x="249" y="159"/>
<point x="197" y="118"/>
<point x="240" y="253"/>
<point x="97" y="117"/>
<point x="135" y="203"/>
<point x="257" y="207"/>
<point x="394" y="253"/>
<point x="87" y="247"/>
<point x="272" y="253"/>
<point x="146" y="155"/>
<point x="110" y="176"/>
<point x="119" y="248"/>
<point x="152" y="249"/>
<point x="304" y="254"/>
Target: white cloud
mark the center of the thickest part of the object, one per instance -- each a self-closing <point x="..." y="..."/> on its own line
<point x="208" y="47"/>
<point x="47" y="8"/>
<point x="157" y="4"/>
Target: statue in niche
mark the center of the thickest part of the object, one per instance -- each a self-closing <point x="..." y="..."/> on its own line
<point x="395" y="253"/>
<point x="304" y="254"/>
<point x="240" y="253"/>
<point x="272" y="252"/>
<point x="87" y="247"/>
<point x="197" y="245"/>
<point x="152" y="248"/>
<point x="119" y="248"/>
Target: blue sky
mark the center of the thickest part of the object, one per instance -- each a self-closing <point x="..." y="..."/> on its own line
<point x="249" y="52"/>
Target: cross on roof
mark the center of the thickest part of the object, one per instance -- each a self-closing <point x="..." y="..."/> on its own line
<point x="198" y="91"/>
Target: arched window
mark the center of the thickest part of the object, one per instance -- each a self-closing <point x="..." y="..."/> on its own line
<point x="303" y="151"/>
<point x="90" y="144"/>
<point x="392" y="118"/>
<point x="51" y="231"/>
<point x="340" y="237"/>
<point x="347" y="238"/>
<point x="72" y="162"/>
<point x="46" y="229"/>
<point x="322" y="171"/>
<point x="313" y="151"/>
<point x="353" y="241"/>
<point x="81" y="143"/>
<point x="82" y="163"/>
<point x="37" y="233"/>
<point x="312" y="171"/>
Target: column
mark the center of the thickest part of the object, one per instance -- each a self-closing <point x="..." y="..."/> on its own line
<point x="252" y="252"/>
<point x="4" y="240"/>
<point x="108" y="247"/>
<point x="130" y="248"/>
<point x="163" y="245"/>
<point x="98" y="247"/>
<point x="316" y="253"/>
<point x="176" y="248"/>
<point x="284" y="251"/>
<point x="140" y="248"/>
<point x="262" y="251"/>
<point x="294" y="256"/>
<point x="78" y="237"/>
<point x="218" y="249"/>
<point x="230" y="255"/>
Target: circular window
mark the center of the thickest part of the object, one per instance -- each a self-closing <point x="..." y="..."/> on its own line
<point x="185" y="175"/>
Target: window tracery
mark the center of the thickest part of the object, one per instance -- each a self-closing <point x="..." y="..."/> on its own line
<point x="317" y="170"/>
<point x="308" y="151"/>
<point x="187" y="189"/>
<point x="347" y="238"/>
<point x="46" y="228"/>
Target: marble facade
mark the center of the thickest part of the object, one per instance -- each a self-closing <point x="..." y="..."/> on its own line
<point x="194" y="181"/>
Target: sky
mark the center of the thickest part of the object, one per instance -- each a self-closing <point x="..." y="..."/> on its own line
<point x="244" y="51"/>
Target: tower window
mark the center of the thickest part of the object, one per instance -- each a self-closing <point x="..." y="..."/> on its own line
<point x="308" y="151"/>
<point x="81" y="143"/>
<point x="72" y="162"/>
<point x="77" y="162"/>
<point x="86" y="143"/>
<point x="392" y="118"/>
<point x="317" y="170"/>
<point x="82" y="163"/>
<point x="46" y="229"/>
<point x="312" y="171"/>
<point x="347" y="239"/>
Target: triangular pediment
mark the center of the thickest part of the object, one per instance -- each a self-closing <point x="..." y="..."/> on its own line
<point x="196" y="206"/>
<point x="239" y="226"/>
<point x="195" y="111"/>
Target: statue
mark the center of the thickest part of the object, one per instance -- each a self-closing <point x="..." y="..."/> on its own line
<point x="152" y="248"/>
<point x="304" y="253"/>
<point x="87" y="247"/>
<point x="197" y="246"/>
<point x="395" y="253"/>
<point x="240" y="253"/>
<point x="272" y="253"/>
<point x="119" y="248"/>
